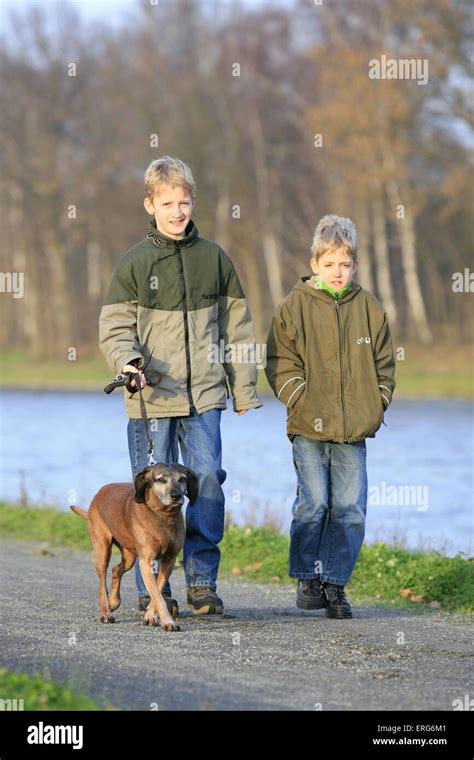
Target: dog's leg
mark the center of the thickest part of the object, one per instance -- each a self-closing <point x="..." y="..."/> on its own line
<point x="101" y="539"/>
<point x="166" y="568"/>
<point x="128" y="558"/>
<point x="158" y="605"/>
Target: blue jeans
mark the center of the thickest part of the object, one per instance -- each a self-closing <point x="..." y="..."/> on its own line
<point x="199" y="438"/>
<point x="329" y="511"/>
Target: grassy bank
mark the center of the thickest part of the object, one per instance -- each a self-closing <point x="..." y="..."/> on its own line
<point x="443" y="370"/>
<point x="22" y="692"/>
<point x="384" y="575"/>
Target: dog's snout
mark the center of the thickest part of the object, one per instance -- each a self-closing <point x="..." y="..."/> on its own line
<point x="176" y="494"/>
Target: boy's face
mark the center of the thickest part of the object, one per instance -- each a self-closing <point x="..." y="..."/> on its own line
<point x="172" y="208"/>
<point x="336" y="268"/>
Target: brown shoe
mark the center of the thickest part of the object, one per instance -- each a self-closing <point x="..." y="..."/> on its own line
<point x="203" y="600"/>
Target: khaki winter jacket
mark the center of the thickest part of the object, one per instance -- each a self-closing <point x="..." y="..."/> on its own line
<point x="182" y="300"/>
<point x="331" y="362"/>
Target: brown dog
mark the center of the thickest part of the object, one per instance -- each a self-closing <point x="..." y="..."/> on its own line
<point x="143" y="521"/>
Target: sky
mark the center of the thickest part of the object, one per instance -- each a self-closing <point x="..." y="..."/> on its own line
<point x="112" y="10"/>
<point x="90" y="8"/>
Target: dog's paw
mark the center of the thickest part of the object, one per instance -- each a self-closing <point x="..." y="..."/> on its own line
<point x="150" y="619"/>
<point x="107" y="619"/>
<point x="114" y="603"/>
<point x="170" y="627"/>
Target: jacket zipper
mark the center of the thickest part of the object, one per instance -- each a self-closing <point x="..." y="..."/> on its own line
<point x="336" y="305"/>
<point x="192" y="409"/>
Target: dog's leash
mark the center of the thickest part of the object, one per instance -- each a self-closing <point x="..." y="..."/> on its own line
<point x="125" y="379"/>
<point x="150" y="458"/>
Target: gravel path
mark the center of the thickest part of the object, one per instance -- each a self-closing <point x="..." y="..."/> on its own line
<point x="262" y="654"/>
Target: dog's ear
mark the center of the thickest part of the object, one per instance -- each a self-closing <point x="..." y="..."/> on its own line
<point x="141" y="484"/>
<point x="193" y="485"/>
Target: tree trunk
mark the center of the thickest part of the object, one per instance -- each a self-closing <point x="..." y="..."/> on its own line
<point x="406" y="227"/>
<point x="384" y="279"/>
<point x="59" y="297"/>
<point x="365" y="274"/>
<point x="267" y="223"/>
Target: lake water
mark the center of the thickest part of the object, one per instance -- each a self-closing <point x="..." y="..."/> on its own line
<point x="61" y="447"/>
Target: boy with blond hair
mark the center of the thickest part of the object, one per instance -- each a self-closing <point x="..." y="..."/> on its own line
<point x="171" y="298"/>
<point x="330" y="360"/>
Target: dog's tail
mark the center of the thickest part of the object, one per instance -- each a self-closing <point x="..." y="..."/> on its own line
<point x="81" y="512"/>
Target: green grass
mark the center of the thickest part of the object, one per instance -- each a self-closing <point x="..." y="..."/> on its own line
<point x="435" y="577"/>
<point x="44" y="524"/>
<point x="20" y="370"/>
<point x="261" y="555"/>
<point x="40" y="694"/>
<point x="444" y="370"/>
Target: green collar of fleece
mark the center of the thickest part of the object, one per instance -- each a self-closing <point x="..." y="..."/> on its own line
<point x="320" y="285"/>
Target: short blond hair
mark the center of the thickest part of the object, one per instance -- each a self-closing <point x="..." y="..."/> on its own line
<point x="169" y="171"/>
<point x="335" y="232"/>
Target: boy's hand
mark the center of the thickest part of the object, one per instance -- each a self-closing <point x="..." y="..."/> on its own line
<point x="135" y="370"/>
<point x="242" y="411"/>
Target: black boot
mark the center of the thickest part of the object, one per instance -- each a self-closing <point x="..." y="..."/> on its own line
<point x="337" y="605"/>
<point x="309" y="595"/>
<point x="172" y="604"/>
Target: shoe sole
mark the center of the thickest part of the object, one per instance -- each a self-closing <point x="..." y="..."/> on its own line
<point x="311" y="605"/>
<point x="206" y="609"/>
<point x="338" y="615"/>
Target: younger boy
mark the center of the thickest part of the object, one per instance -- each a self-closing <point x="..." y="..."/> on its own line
<point x="330" y="359"/>
<point x="172" y="298"/>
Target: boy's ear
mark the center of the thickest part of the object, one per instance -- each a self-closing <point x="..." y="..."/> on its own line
<point x="148" y="206"/>
<point x="141" y="484"/>
<point x="193" y="486"/>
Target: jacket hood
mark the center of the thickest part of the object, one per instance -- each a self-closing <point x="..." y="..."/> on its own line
<point x="305" y="284"/>
<point x="163" y="241"/>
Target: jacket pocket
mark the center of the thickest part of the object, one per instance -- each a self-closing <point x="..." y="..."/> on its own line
<point x="295" y="407"/>
<point x="296" y="395"/>
<point x="381" y="412"/>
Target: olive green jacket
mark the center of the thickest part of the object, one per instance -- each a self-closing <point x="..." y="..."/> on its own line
<point x="331" y="362"/>
<point x="180" y="302"/>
